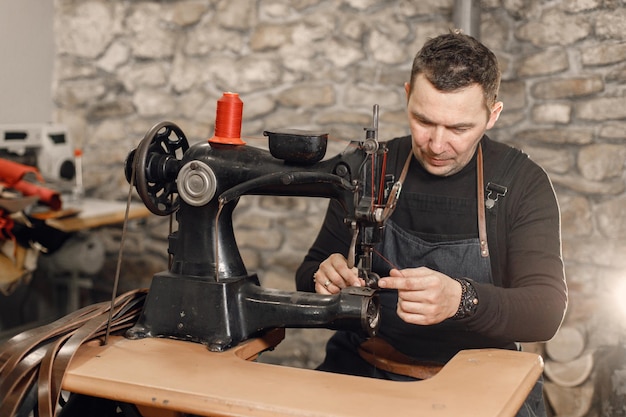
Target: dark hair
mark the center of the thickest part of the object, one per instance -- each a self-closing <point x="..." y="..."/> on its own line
<point x="455" y="60"/>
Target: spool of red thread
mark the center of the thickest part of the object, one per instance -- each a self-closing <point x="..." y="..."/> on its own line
<point x="228" y="120"/>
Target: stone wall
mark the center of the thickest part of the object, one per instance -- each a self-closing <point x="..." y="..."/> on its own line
<point x="122" y="66"/>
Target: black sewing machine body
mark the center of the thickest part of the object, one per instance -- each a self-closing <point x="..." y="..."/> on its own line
<point x="207" y="295"/>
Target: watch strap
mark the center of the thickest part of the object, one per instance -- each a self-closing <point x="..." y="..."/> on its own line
<point x="469" y="300"/>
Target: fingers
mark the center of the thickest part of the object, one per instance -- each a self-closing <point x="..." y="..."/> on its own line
<point x="324" y="287"/>
<point x="335" y="269"/>
<point x="418" y="313"/>
<point x="424" y="296"/>
<point x="407" y="279"/>
<point x="334" y="274"/>
<point x="424" y="313"/>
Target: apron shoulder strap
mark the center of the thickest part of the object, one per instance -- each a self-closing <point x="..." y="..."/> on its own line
<point x="496" y="190"/>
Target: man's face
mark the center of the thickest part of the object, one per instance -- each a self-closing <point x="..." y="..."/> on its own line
<point x="447" y="126"/>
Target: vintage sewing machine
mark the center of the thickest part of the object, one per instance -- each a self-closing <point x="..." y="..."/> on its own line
<point x="207" y="295"/>
<point x="208" y="298"/>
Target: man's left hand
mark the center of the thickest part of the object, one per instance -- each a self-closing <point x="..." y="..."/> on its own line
<point x="425" y="296"/>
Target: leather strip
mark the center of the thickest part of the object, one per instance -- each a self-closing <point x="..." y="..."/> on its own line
<point x="11" y="403"/>
<point x="482" y="223"/>
<point x="83" y="334"/>
<point x="20" y="356"/>
<point x="44" y="398"/>
<point x="42" y="355"/>
<point x="18" y="377"/>
<point x="20" y="344"/>
<point x="405" y="168"/>
<point x="382" y="355"/>
<point x="389" y="208"/>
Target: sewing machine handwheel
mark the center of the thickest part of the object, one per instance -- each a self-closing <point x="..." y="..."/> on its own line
<point x="164" y="142"/>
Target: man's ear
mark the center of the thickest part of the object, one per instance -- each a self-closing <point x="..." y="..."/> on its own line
<point x="495" y="114"/>
<point x="407" y="90"/>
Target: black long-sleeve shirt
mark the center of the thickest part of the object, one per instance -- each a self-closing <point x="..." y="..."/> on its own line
<point x="530" y="302"/>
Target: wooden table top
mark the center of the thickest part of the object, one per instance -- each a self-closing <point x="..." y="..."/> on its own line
<point x="165" y="374"/>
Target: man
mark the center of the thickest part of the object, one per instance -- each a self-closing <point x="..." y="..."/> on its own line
<point x="446" y="283"/>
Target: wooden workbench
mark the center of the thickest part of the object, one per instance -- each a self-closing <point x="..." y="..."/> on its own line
<point x="166" y="377"/>
<point x="93" y="213"/>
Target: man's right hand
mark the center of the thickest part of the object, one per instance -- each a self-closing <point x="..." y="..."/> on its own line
<point x="333" y="275"/>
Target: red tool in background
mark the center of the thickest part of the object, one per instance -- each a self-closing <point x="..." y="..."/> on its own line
<point x="14" y="175"/>
<point x="17" y="259"/>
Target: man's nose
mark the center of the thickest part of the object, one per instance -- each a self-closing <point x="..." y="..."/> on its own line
<point x="437" y="139"/>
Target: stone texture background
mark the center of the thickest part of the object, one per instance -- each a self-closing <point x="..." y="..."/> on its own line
<point x="122" y="66"/>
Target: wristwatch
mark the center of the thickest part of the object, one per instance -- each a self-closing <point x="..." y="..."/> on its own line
<point x="469" y="300"/>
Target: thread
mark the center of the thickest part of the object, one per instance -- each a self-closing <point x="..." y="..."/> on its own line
<point x="228" y="120"/>
<point x="387" y="261"/>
